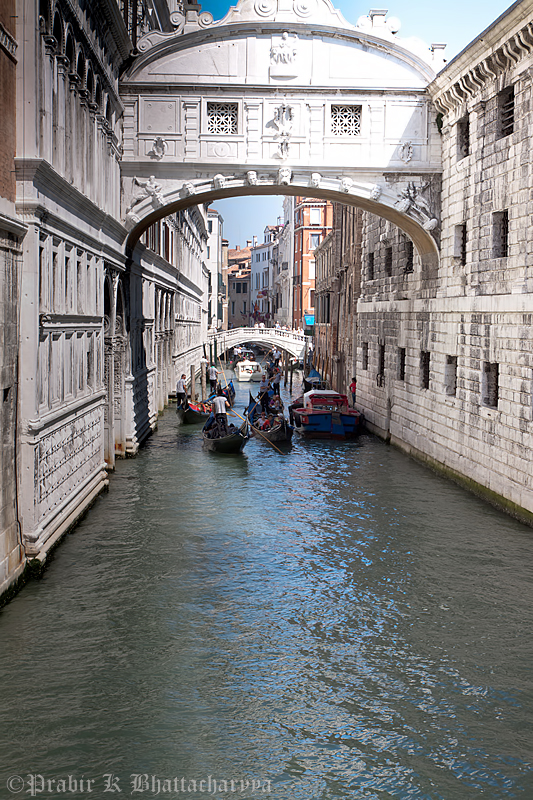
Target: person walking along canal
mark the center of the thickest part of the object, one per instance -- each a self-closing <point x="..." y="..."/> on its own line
<point x="181" y="391"/>
<point x="212" y="374"/>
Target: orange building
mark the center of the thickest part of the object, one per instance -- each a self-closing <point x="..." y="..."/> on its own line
<point x="313" y="221"/>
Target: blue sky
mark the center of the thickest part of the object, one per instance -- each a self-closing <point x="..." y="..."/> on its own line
<point x="452" y="22"/>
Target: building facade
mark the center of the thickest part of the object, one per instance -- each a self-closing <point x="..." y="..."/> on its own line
<point x="105" y="331"/>
<point x="12" y="233"/>
<point x="312" y="223"/>
<point x="443" y="356"/>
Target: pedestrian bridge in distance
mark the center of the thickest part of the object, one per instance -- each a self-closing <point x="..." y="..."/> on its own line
<point x="291" y="341"/>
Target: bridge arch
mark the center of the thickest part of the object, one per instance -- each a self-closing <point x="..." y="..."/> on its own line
<point x="281" y="98"/>
<point x="291" y="341"/>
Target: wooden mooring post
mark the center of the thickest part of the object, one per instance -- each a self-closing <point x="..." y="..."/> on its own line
<point x="193" y="383"/>
<point x="203" y="381"/>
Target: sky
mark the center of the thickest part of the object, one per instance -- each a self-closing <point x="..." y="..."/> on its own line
<point x="454" y="23"/>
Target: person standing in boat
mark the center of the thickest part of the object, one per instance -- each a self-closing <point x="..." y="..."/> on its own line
<point x="181" y="391"/>
<point x="220" y="404"/>
<point x="263" y="393"/>
<point x="276" y="355"/>
<point x="212" y="374"/>
<point x="276" y="380"/>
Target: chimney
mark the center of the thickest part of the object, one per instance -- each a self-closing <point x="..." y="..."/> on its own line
<point x="255" y="241"/>
<point x="248" y="243"/>
<point x="237" y="247"/>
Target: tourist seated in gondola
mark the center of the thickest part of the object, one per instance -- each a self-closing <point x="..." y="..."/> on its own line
<point x="263" y="423"/>
<point x="275" y="403"/>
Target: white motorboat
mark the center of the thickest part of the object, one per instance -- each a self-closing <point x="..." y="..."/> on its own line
<point x="248" y="371"/>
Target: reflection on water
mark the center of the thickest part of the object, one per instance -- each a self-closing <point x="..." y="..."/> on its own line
<point x="336" y="620"/>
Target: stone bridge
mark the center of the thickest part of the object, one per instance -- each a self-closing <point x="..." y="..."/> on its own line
<point x="291" y="341"/>
<point x="282" y="97"/>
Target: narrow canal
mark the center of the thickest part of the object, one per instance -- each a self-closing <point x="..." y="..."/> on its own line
<point x="337" y="622"/>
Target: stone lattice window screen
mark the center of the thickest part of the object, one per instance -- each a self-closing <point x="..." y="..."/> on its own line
<point x="346" y="120"/>
<point x="222" y="118"/>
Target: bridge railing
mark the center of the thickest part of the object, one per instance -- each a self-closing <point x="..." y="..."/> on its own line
<point x="292" y="340"/>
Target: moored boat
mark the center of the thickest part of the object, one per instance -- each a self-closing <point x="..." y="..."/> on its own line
<point x="325" y="414"/>
<point x="248" y="371"/>
<point x="233" y="442"/>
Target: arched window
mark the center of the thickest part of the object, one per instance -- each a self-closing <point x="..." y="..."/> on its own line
<point x="90" y="83"/>
<point x="58" y="32"/>
<point x="70" y="53"/>
<point x="80" y="67"/>
<point x="98" y="96"/>
<point x="44" y="16"/>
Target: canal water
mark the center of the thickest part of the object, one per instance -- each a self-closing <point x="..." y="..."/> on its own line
<point x="334" y="622"/>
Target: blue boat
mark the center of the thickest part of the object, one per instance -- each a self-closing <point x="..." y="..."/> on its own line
<point x="325" y="414"/>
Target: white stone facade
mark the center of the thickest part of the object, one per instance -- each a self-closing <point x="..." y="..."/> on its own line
<point x="444" y="360"/>
<point x="103" y="331"/>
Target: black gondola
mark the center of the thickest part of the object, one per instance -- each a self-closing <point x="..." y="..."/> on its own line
<point x="193" y="413"/>
<point x="233" y="442"/>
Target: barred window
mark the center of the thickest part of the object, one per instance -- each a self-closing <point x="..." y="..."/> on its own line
<point x="346" y="120"/>
<point x="505" y="112"/>
<point x="222" y="117"/>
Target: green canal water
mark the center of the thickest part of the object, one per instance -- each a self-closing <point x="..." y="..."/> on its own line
<point x="335" y="622"/>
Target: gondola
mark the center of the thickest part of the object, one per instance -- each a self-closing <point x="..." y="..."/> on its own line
<point x="280" y="431"/>
<point x="232" y="443"/>
<point x="193" y="413"/>
<point x="229" y="392"/>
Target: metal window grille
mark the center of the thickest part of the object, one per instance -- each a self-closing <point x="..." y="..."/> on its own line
<point x="388" y="261"/>
<point x="500" y="234"/>
<point x="506" y="112"/>
<point x="346" y="120"/>
<point x="450" y="375"/>
<point x="371" y="266"/>
<point x="409" y="257"/>
<point x="489" y="384"/>
<point x="380" y="377"/>
<point x="364" y="355"/>
<point x="401" y="363"/>
<point x="463" y="138"/>
<point x="424" y="368"/>
<point x="222" y="117"/>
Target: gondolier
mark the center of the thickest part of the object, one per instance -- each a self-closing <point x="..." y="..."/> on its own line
<point x="219" y="404"/>
<point x="275" y="381"/>
<point x="263" y="393"/>
<point x="181" y="391"/>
